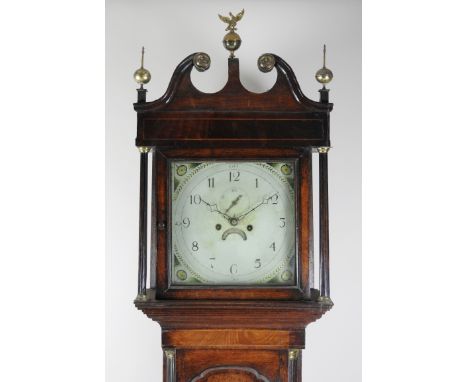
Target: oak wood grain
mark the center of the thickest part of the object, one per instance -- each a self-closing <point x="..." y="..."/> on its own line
<point x="231" y="314"/>
<point x="304" y="239"/>
<point x="234" y="334"/>
<point x="233" y="338"/>
<point x="233" y="116"/>
<point x="271" y="364"/>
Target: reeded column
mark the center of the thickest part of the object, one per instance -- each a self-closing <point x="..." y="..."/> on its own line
<point x="324" y="226"/>
<point x="293" y="369"/>
<point x="143" y="228"/>
<point x="170" y="355"/>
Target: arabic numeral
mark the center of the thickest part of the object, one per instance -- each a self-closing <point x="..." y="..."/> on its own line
<point x="273" y="199"/>
<point x="233" y="269"/>
<point x="184" y="223"/>
<point x="211" y="183"/>
<point x="282" y="222"/>
<point x="273" y="246"/>
<point x="195" y="199"/>
<point x="256" y="182"/>
<point x="258" y="263"/>
<point x="195" y="246"/>
<point x="234" y="176"/>
<point x="212" y="262"/>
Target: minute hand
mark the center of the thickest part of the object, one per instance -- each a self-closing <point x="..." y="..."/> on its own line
<point x="264" y="201"/>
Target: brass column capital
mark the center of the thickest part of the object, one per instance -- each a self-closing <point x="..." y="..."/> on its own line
<point x="325" y="300"/>
<point x="293" y="354"/>
<point x="144" y="149"/>
<point x="323" y="149"/>
<point x="141" y="297"/>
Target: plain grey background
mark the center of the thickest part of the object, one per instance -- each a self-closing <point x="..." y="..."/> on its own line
<point x="171" y="30"/>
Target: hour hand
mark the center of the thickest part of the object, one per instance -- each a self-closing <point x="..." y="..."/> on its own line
<point x="233" y="203"/>
<point x="214" y="208"/>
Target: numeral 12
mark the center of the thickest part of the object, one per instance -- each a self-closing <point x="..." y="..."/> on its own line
<point x="234" y="176"/>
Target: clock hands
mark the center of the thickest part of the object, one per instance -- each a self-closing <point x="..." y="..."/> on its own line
<point x="214" y="208"/>
<point x="234" y="202"/>
<point x="236" y="219"/>
<point x="264" y="201"/>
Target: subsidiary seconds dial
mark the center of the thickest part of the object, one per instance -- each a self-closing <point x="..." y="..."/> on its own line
<point x="233" y="223"/>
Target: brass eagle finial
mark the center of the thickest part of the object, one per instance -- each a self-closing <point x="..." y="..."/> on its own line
<point x="232" y="40"/>
<point x="231" y="20"/>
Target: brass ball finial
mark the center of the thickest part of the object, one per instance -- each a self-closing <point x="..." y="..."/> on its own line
<point x="324" y="75"/>
<point x="232" y="40"/>
<point x="142" y="76"/>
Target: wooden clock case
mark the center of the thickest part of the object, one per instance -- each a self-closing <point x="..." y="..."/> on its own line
<point x="213" y="334"/>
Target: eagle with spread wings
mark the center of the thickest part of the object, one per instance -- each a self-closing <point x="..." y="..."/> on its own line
<point x="232" y="20"/>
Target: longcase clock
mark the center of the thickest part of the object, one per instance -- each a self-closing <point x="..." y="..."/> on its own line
<point x="231" y="265"/>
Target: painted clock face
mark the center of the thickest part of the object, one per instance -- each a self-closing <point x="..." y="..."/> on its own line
<point x="233" y="223"/>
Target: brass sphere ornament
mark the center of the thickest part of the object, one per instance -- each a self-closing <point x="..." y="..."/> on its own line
<point x="142" y="76"/>
<point x="232" y="40"/>
<point x="324" y="75"/>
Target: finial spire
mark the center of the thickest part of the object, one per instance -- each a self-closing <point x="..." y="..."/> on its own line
<point x="324" y="55"/>
<point x="232" y="40"/>
<point x="142" y="75"/>
<point x="143" y="55"/>
<point x="324" y="75"/>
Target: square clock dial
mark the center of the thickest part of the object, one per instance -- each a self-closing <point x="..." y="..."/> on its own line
<point x="233" y="223"/>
